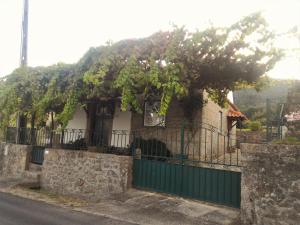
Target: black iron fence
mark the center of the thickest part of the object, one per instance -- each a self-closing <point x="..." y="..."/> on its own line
<point x="203" y="144"/>
<point x="192" y="145"/>
<point x="74" y="139"/>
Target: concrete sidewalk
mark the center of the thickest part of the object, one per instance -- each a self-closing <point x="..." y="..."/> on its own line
<point x="139" y="207"/>
<point x="7" y="183"/>
<point x="142" y="207"/>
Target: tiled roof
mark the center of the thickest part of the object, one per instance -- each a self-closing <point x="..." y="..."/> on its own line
<point x="234" y="112"/>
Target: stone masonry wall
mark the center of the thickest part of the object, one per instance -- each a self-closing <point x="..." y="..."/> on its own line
<point x="255" y="137"/>
<point x="85" y="174"/>
<point x="216" y="116"/>
<point x="211" y="114"/>
<point x="270" y="184"/>
<point x="2" y="146"/>
<point x="170" y="134"/>
<point x="14" y="159"/>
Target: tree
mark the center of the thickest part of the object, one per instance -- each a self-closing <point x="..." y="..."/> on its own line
<point x="34" y="92"/>
<point x="179" y="63"/>
<point x="166" y="65"/>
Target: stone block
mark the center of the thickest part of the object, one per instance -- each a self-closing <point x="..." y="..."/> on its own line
<point x="270" y="184"/>
<point x="86" y="174"/>
<point x="14" y="159"/>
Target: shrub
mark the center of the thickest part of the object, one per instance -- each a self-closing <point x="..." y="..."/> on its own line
<point x="152" y="149"/>
<point x="253" y="125"/>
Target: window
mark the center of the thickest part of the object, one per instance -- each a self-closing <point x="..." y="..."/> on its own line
<point x="220" y="121"/>
<point x="104" y="109"/>
<point x="151" y="116"/>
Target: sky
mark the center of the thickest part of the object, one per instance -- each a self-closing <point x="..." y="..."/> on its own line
<point x="63" y="30"/>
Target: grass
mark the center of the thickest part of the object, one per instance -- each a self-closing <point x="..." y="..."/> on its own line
<point x="288" y="141"/>
<point x="249" y="130"/>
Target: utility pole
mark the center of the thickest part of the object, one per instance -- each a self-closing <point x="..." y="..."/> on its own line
<point x="21" y="118"/>
<point x="24" y="36"/>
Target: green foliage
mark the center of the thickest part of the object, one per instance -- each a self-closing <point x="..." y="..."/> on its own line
<point x="72" y="102"/>
<point x="253" y="125"/>
<point x="289" y="140"/>
<point x="292" y="139"/>
<point x="166" y="65"/>
<point x="34" y="91"/>
<point x="253" y="103"/>
<point x="174" y="64"/>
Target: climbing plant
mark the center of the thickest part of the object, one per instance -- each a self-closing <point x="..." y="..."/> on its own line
<point x="166" y="65"/>
<point x="179" y="62"/>
<point x="34" y="92"/>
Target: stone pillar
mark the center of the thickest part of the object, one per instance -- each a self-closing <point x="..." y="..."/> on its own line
<point x="14" y="159"/>
<point x="2" y="149"/>
<point x="270" y="184"/>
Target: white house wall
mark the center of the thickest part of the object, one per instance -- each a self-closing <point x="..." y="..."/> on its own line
<point x="121" y="127"/>
<point x="79" y="120"/>
<point x="76" y="127"/>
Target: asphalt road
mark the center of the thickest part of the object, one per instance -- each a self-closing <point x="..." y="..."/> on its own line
<point x="19" y="211"/>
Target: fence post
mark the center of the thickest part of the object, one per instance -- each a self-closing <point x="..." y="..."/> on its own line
<point x="5" y="134"/>
<point x="182" y="141"/>
<point x="269" y="135"/>
<point x="228" y="144"/>
<point x="18" y="131"/>
<point x="280" y="121"/>
<point x="51" y="130"/>
<point x="51" y="137"/>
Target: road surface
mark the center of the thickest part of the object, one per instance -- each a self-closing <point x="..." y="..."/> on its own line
<point x="20" y="211"/>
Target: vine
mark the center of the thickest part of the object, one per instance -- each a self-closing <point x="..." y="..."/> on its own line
<point x="166" y="65"/>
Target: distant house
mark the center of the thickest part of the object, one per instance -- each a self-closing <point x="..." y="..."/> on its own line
<point x="294" y="116"/>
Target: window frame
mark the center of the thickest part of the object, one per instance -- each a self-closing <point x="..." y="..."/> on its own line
<point x="160" y="125"/>
<point x="220" y="121"/>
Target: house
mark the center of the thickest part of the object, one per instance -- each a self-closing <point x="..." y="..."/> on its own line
<point x="102" y="126"/>
<point x="166" y="153"/>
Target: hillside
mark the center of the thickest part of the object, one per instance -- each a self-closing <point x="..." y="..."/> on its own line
<point x="253" y="103"/>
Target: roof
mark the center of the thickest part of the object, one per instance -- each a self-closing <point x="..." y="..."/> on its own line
<point x="235" y="113"/>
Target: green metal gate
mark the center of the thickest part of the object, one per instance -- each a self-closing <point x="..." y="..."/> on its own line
<point x="202" y="164"/>
<point x="207" y="184"/>
<point x="37" y="155"/>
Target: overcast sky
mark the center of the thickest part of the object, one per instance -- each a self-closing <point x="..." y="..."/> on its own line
<point x="63" y="30"/>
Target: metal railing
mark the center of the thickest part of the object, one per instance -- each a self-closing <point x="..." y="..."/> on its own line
<point x="203" y="144"/>
<point x="195" y="146"/>
<point x="116" y="142"/>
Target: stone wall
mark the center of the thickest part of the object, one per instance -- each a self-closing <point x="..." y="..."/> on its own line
<point x="2" y="146"/>
<point x="14" y="159"/>
<point x="254" y="137"/>
<point x="214" y="115"/>
<point x="270" y="184"/>
<point x="170" y="134"/>
<point x="85" y="174"/>
<point x="205" y="144"/>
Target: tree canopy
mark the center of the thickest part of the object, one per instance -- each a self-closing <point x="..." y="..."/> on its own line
<point x="166" y="65"/>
